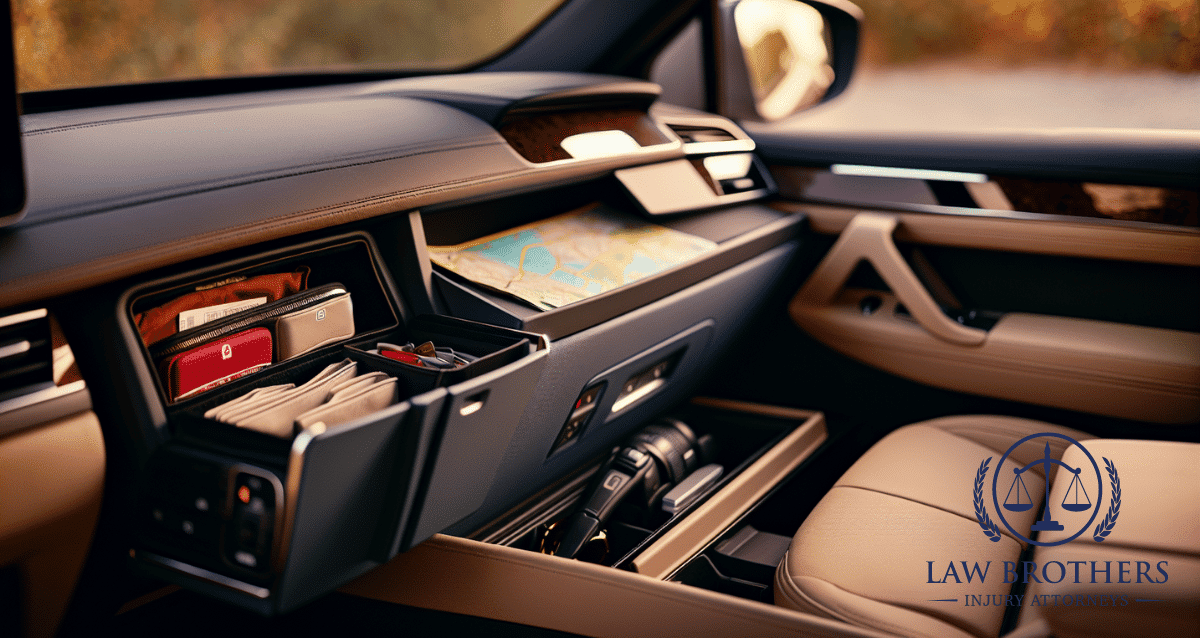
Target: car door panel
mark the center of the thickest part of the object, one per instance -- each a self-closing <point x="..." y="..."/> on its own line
<point x="1100" y="367"/>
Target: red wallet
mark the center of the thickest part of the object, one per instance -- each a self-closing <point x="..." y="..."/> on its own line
<point x="208" y="366"/>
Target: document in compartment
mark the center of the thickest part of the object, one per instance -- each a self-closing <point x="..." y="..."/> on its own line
<point x="570" y="257"/>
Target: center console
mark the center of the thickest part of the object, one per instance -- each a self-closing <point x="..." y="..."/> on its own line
<point x="700" y="571"/>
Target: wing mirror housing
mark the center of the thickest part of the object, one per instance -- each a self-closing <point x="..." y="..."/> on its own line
<point x="779" y="57"/>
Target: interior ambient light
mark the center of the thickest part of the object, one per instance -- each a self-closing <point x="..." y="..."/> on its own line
<point x="599" y="144"/>
<point x="907" y="173"/>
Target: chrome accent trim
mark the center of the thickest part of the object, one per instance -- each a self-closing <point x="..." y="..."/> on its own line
<point x="726" y="146"/>
<point x="23" y="317"/>
<point x="691" y="488"/>
<point x="43" y="406"/>
<point x="14" y="349"/>
<point x="907" y="173"/>
<point x="203" y="574"/>
<point x="764" y="409"/>
<point x="958" y="211"/>
<point x="638" y="394"/>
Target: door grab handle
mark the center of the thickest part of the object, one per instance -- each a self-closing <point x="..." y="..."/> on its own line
<point x="869" y="236"/>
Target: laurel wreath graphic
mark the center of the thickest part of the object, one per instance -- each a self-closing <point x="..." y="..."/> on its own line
<point x="981" y="515"/>
<point x="1114" y="508"/>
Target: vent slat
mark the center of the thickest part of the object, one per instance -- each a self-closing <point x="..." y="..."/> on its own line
<point x="27" y="363"/>
<point x="701" y="134"/>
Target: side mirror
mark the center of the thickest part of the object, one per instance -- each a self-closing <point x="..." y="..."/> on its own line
<point x="778" y="57"/>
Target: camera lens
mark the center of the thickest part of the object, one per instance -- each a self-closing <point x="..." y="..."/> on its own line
<point x="671" y="443"/>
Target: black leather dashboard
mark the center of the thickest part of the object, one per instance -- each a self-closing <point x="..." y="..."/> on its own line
<point x="118" y="190"/>
<point x="159" y="197"/>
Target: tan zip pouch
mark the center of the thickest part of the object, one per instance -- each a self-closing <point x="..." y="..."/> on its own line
<point x="308" y="329"/>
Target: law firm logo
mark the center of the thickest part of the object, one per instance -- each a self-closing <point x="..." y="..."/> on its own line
<point x="1080" y="505"/>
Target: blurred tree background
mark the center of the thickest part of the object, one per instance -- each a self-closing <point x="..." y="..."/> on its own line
<point x="68" y="43"/>
<point x="1113" y="35"/>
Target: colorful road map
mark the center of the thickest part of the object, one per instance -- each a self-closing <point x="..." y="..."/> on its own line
<point x="570" y="257"/>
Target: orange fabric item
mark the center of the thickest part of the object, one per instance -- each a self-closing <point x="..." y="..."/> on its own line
<point x="159" y="323"/>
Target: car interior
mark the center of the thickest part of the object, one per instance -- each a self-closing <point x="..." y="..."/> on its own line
<point x="282" y="354"/>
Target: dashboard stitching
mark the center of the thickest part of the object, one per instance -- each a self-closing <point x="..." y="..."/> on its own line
<point x="219" y="185"/>
<point x="63" y="128"/>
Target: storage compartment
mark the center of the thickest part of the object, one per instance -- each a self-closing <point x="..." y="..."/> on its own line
<point x="742" y="555"/>
<point x="756" y="448"/>
<point x="293" y="491"/>
<point x="256" y="313"/>
<point x="739" y="232"/>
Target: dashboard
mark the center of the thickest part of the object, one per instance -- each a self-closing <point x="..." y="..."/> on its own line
<point x="135" y="205"/>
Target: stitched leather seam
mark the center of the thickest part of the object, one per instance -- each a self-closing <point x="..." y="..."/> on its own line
<point x="381" y="92"/>
<point x="217" y="185"/>
<point x="851" y="616"/>
<point x="796" y="594"/>
<point x="912" y="500"/>
<point x="1172" y="553"/>
<point x="157" y="116"/>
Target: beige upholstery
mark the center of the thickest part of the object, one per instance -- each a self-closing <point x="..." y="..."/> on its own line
<point x="1160" y="493"/>
<point x="1157" y="521"/>
<point x="861" y="555"/>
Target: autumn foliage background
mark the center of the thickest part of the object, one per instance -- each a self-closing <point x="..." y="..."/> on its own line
<point x="67" y="43"/>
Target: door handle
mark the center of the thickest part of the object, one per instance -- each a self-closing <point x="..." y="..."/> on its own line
<point x="869" y="236"/>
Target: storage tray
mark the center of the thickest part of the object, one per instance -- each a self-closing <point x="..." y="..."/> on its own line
<point x="333" y="501"/>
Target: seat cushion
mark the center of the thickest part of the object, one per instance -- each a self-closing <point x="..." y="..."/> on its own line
<point x="1157" y="525"/>
<point x="874" y="551"/>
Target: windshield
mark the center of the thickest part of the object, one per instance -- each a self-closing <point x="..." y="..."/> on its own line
<point x="69" y="43"/>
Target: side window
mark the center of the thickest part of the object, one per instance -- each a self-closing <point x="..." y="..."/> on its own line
<point x="679" y="68"/>
<point x="945" y="67"/>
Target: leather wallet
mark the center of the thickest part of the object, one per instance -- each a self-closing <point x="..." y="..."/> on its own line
<point x="207" y="366"/>
<point x="311" y="327"/>
<point x="159" y="323"/>
<point x="329" y="305"/>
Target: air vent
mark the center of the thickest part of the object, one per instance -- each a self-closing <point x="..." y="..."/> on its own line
<point x="26" y="362"/>
<point x="701" y="134"/>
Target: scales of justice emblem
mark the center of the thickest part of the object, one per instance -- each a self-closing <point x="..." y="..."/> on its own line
<point x="1076" y="497"/>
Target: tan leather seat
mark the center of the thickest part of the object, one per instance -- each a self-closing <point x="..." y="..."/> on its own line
<point x="1158" y="524"/>
<point x="899" y="516"/>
